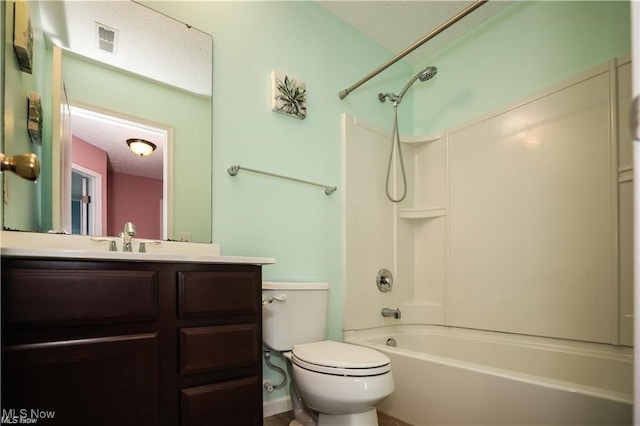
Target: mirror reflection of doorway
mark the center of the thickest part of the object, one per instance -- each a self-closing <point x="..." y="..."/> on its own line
<point x="134" y="188"/>
<point x="86" y="196"/>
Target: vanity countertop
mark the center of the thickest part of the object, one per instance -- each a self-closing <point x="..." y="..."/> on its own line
<point x="133" y="257"/>
<point x="19" y="244"/>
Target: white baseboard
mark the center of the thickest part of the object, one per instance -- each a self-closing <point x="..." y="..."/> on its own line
<point x="276" y="406"/>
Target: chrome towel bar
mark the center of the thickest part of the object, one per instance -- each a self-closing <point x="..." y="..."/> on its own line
<point x="234" y="169"/>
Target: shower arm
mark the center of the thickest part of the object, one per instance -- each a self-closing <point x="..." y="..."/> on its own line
<point x="406" y="87"/>
<point x="473" y="6"/>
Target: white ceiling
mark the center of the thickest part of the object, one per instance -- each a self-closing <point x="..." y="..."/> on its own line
<point x="396" y="24"/>
<point x="146" y="39"/>
<point x="149" y="44"/>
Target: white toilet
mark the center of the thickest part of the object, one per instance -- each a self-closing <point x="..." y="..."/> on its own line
<point x="340" y="382"/>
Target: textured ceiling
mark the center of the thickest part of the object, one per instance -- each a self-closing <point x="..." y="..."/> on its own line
<point x="148" y="43"/>
<point x="396" y="25"/>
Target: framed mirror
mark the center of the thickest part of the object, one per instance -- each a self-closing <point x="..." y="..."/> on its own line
<point x="107" y="72"/>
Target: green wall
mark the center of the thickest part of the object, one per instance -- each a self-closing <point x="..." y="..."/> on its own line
<point x="529" y="46"/>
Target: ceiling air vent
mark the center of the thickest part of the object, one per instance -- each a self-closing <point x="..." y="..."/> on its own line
<point x="107" y="38"/>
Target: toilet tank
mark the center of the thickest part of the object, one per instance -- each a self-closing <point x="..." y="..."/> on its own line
<point x="296" y="314"/>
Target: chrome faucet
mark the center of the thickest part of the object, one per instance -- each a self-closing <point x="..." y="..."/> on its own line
<point x="127" y="234"/>
<point x="386" y="312"/>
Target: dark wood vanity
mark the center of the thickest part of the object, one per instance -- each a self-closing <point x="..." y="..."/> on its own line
<point x="131" y="342"/>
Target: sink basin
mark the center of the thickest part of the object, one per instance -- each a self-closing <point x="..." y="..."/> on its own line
<point x="27" y="244"/>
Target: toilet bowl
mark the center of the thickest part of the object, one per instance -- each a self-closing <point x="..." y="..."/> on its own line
<point x="342" y="383"/>
<point x="337" y="379"/>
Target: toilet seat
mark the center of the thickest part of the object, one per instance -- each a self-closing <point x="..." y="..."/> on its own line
<point x="340" y="359"/>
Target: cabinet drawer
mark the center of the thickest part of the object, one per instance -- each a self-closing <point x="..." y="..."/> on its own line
<point x="74" y="297"/>
<point x="237" y="402"/>
<point x="218" y="347"/>
<point x="211" y="294"/>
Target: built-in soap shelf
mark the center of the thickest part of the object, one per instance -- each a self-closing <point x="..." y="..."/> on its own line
<point x="429" y="213"/>
<point x="419" y="140"/>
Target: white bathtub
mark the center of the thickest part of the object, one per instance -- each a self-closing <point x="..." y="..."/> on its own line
<point x="450" y="376"/>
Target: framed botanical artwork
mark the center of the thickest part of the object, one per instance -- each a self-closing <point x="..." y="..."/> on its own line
<point x="288" y="95"/>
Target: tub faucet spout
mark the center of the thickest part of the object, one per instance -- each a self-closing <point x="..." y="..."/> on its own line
<point x="386" y="312"/>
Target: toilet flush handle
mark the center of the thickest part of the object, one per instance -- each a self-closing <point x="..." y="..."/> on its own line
<point x="269" y="299"/>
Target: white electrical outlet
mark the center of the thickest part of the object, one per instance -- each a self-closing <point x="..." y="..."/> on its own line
<point x="185" y="237"/>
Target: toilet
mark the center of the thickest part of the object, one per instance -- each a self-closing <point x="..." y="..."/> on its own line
<point x="337" y="383"/>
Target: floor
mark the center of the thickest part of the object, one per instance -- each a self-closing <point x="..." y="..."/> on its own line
<point x="283" y="419"/>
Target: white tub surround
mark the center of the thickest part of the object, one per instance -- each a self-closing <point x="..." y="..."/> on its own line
<point x="517" y="221"/>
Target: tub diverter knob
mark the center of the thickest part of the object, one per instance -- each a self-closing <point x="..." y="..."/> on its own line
<point x="384" y="280"/>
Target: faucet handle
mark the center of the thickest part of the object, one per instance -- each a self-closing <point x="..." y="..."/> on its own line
<point x="112" y="243"/>
<point x="143" y="245"/>
<point x="384" y="280"/>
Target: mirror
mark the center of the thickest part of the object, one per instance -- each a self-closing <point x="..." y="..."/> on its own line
<point x="106" y="72"/>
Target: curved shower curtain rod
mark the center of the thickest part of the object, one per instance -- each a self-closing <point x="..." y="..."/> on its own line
<point x="473" y="6"/>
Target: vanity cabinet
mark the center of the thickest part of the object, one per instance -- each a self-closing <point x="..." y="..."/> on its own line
<point x="131" y="343"/>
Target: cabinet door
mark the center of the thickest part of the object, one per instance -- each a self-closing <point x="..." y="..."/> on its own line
<point x="233" y="403"/>
<point x="101" y="381"/>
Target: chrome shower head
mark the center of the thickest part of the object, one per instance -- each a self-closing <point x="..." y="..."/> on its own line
<point x="427" y="73"/>
<point x="423" y="75"/>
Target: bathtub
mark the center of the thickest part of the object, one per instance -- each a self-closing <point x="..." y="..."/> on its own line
<point x="451" y="376"/>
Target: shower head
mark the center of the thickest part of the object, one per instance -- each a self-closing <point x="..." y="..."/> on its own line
<point x="423" y="75"/>
<point x="427" y="73"/>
